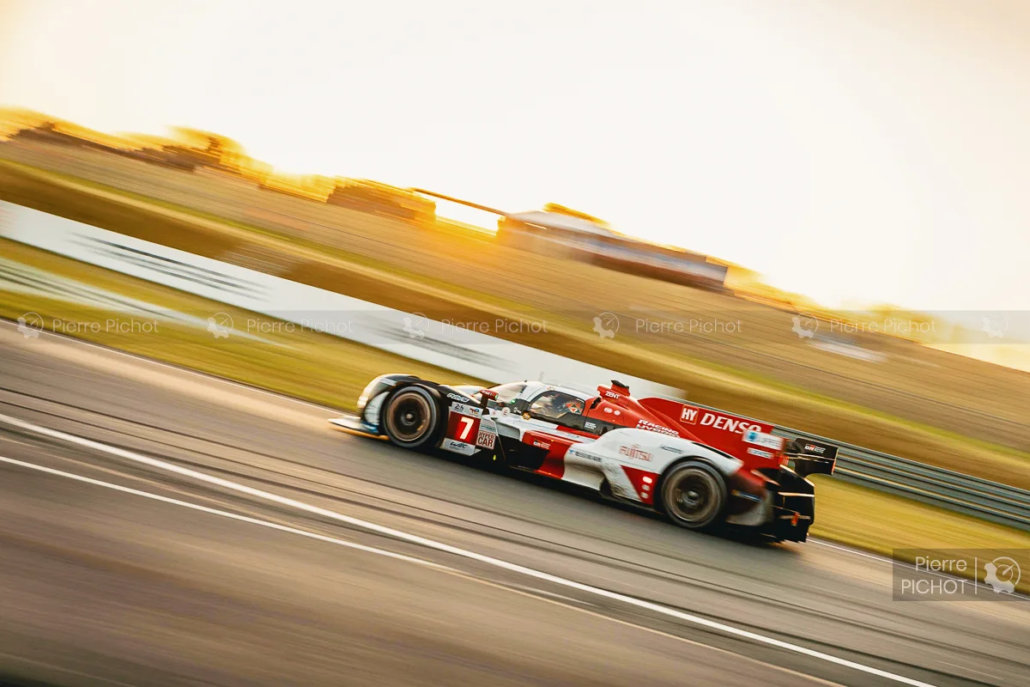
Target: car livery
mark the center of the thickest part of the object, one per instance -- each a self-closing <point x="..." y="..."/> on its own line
<point x="698" y="466"/>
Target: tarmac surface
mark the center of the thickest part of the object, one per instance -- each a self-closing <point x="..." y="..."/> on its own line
<point x="160" y="527"/>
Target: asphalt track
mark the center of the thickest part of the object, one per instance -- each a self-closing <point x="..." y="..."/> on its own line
<point x="306" y="556"/>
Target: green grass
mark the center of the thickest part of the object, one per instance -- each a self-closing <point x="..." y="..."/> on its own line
<point x="317" y="367"/>
<point x="857" y="516"/>
<point x="332" y="371"/>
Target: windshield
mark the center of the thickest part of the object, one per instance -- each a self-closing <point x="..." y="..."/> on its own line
<point x="506" y="393"/>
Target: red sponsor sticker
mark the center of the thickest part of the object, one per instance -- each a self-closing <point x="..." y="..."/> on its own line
<point x="689" y="415"/>
<point x="462" y="427"/>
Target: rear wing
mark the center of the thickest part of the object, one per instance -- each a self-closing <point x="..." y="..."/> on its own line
<point x="811" y="457"/>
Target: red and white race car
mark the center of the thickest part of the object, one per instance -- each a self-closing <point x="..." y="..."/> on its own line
<point x="698" y="466"/>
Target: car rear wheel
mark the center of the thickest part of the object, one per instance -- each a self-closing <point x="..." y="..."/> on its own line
<point x="694" y="495"/>
<point x="411" y="418"/>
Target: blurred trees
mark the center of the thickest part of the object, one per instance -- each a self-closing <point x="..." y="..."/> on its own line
<point x="211" y="150"/>
<point x="562" y="210"/>
<point x="382" y="199"/>
<point x="190" y="149"/>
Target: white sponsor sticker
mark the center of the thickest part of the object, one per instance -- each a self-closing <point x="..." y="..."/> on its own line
<point x="760" y="453"/>
<point x="762" y="439"/>
<point x="462" y="409"/>
<point x="653" y="427"/>
<point x="458" y="447"/>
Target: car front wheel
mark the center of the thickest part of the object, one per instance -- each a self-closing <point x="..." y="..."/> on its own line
<point x="411" y="418"/>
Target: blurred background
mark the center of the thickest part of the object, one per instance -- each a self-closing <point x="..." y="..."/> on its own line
<point x="785" y="197"/>
<point x="813" y="214"/>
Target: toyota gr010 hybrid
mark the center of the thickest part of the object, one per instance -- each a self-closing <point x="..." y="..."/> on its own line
<point x="698" y="466"/>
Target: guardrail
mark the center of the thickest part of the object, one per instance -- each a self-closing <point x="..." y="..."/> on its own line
<point x="955" y="491"/>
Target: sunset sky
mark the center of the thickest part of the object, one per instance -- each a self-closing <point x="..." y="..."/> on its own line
<point x="855" y="151"/>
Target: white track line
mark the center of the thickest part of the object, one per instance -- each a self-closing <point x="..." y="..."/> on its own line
<point x="471" y="555"/>
<point x="224" y="513"/>
<point x="185" y="371"/>
<point x="566" y="602"/>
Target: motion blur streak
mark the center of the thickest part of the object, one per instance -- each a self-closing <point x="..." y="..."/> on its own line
<point x="422" y="541"/>
<point x="132" y="590"/>
<point x="222" y="513"/>
<point x="373" y="550"/>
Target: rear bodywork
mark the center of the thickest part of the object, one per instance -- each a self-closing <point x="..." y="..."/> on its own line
<point x="620" y="446"/>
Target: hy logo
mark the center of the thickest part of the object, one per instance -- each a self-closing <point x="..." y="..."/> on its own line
<point x="220" y="325"/>
<point x="30" y="325"/>
<point x="606" y="325"/>
<point x="416" y="325"/>
<point x="689" y="415"/>
<point x="805" y="327"/>
<point x="1003" y="575"/>
<point x="995" y="326"/>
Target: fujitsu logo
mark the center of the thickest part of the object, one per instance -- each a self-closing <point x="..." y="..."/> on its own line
<point x="635" y="452"/>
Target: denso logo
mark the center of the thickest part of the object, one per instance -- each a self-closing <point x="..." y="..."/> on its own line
<point x="728" y="424"/>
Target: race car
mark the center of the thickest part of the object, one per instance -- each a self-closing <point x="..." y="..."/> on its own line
<point x="698" y="466"/>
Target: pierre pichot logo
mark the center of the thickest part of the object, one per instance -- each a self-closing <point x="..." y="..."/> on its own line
<point x="606" y="325"/>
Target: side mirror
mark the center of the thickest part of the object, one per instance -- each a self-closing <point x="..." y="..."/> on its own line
<point x="487" y="395"/>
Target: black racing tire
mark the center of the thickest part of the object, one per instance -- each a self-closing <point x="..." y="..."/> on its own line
<point x="694" y="495"/>
<point x="411" y="418"/>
